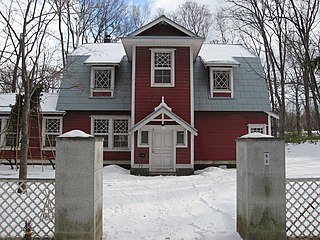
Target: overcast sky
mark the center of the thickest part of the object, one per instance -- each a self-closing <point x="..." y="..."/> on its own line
<point x="170" y="5"/>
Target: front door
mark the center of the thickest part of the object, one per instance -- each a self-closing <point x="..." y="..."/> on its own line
<point x="162" y="151"/>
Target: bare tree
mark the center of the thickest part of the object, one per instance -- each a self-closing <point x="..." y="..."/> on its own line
<point x="304" y="17"/>
<point x="27" y="24"/>
<point x="266" y="18"/>
<point x="194" y="16"/>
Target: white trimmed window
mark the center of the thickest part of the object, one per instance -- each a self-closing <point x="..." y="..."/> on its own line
<point x="9" y="136"/>
<point x="162" y="67"/>
<point x="257" y="128"/>
<point x="102" y="81"/>
<point x="114" y="130"/>
<point x="51" y="128"/>
<point x="3" y="123"/>
<point x="143" y="138"/>
<point x="181" y="138"/>
<point x="221" y="82"/>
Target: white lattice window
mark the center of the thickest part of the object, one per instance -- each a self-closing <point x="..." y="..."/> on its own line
<point x="101" y="128"/>
<point x="221" y="82"/>
<point x="113" y="129"/>
<point x="52" y="128"/>
<point x="162" y="67"/>
<point x="257" y="128"/>
<point x="120" y="133"/>
<point x="102" y="81"/>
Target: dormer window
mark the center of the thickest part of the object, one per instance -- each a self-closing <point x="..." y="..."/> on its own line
<point x="162" y="67"/>
<point x="221" y="82"/>
<point x="102" y="81"/>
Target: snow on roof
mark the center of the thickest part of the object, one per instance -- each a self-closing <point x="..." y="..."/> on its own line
<point x="48" y="102"/>
<point x="112" y="53"/>
<point x="101" y="53"/>
<point x="222" y="54"/>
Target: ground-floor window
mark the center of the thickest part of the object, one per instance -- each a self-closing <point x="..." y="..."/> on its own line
<point x="113" y="129"/>
<point x="51" y="128"/>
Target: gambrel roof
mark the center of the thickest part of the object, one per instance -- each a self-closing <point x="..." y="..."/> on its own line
<point x="250" y="90"/>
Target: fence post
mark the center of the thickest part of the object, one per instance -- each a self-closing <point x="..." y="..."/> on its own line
<point x="78" y="197"/>
<point x="261" y="199"/>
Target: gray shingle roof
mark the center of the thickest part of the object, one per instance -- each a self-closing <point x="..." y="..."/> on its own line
<point x="75" y="88"/>
<point x="250" y="91"/>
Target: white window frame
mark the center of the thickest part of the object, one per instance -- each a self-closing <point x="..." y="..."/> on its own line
<point x="172" y="68"/>
<point x="4" y="132"/>
<point x="44" y="134"/>
<point x="212" y="90"/>
<point x="4" y="121"/>
<point x="179" y="145"/>
<point x="263" y="126"/>
<point x="111" y="134"/>
<point x="106" y="90"/>
<point x="140" y="144"/>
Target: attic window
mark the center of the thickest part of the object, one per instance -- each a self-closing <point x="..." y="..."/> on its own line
<point x="102" y="81"/>
<point x="162" y="67"/>
<point x="221" y="82"/>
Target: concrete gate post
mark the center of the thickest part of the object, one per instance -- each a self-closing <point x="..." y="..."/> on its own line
<point x="78" y="197"/>
<point x="261" y="199"/>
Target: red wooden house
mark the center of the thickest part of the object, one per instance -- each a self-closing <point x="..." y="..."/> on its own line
<point x="164" y="101"/>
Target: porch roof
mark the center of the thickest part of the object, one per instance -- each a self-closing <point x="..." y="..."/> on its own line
<point x="163" y="108"/>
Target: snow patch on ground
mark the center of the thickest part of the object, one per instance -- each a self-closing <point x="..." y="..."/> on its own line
<point x="201" y="206"/>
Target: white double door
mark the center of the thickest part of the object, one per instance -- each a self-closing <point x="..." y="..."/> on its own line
<point x="162" y="151"/>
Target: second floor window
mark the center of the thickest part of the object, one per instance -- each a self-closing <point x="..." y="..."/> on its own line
<point x="102" y="81"/>
<point x="221" y="80"/>
<point x="162" y="67"/>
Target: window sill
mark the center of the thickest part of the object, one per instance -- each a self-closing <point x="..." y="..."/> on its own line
<point x="115" y="150"/>
<point x="222" y="98"/>
<point x="162" y="85"/>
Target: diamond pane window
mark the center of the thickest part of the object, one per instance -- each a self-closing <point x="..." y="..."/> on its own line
<point x="101" y="128"/>
<point x="102" y="79"/>
<point x="162" y="67"/>
<point x="53" y="125"/>
<point x="120" y="131"/>
<point x="113" y="130"/>
<point x="51" y="131"/>
<point x="162" y="60"/>
<point x="221" y="80"/>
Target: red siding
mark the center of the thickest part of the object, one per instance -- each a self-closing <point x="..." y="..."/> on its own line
<point x="183" y="154"/>
<point x="35" y="142"/>
<point x="147" y="97"/>
<point x="81" y="120"/>
<point x="217" y="94"/>
<point x="217" y="132"/>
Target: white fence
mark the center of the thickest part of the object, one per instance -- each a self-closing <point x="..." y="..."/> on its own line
<point x="303" y="208"/>
<point x="34" y="205"/>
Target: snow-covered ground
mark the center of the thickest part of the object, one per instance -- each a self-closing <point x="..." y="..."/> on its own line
<point x="201" y="206"/>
